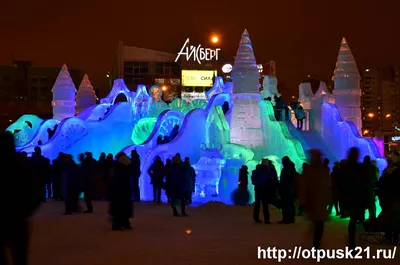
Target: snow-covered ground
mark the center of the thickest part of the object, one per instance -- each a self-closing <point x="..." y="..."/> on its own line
<point x="220" y="234"/>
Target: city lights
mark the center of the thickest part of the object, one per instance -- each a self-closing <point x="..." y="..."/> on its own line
<point x="163" y="88"/>
<point x="366" y="131"/>
<point x="388" y="115"/>
<point x="371" y="115"/>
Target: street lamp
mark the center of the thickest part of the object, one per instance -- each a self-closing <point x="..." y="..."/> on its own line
<point x="388" y="115"/>
<point x="214" y="39"/>
<point x="371" y="115"/>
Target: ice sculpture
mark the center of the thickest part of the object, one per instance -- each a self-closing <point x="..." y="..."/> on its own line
<point x="270" y="87"/>
<point x="86" y="96"/>
<point x="118" y="88"/>
<point x="228" y="88"/>
<point x="305" y="95"/>
<point x="24" y="129"/>
<point x="156" y="108"/>
<point x="341" y="135"/>
<point x="180" y="105"/>
<point x="44" y="133"/>
<point x="141" y="101"/>
<point x="217" y="88"/>
<point x="208" y="173"/>
<point x="155" y="93"/>
<point x="347" y="90"/>
<point x="197" y="104"/>
<point x="245" y="73"/>
<point x="63" y="95"/>
<point x="143" y="129"/>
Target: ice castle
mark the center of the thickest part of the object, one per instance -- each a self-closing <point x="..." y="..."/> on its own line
<point x="217" y="143"/>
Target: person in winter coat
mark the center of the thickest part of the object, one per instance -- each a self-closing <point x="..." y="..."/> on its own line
<point x="135" y="174"/>
<point x="371" y="183"/>
<point x="243" y="178"/>
<point x="300" y="116"/>
<point x="264" y="178"/>
<point x="157" y="174"/>
<point x="335" y="189"/>
<point x="89" y="174"/>
<point x="288" y="191"/>
<point x="315" y="194"/>
<point x="300" y="182"/>
<point x="355" y="192"/>
<point x="177" y="187"/>
<point x="121" y="205"/>
<point x="71" y="186"/>
<point x="190" y="174"/>
<point x="166" y="184"/>
<point x="19" y="198"/>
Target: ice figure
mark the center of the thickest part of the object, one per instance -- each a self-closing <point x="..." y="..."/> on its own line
<point x="86" y="96"/>
<point x="118" y="88"/>
<point x="270" y="85"/>
<point x="63" y="95"/>
<point x="347" y="90"/>
<point x="208" y="173"/>
<point x="245" y="74"/>
<point x="228" y="88"/>
<point x="24" y="129"/>
<point x="155" y="93"/>
<point x="217" y="88"/>
<point x="305" y="95"/>
<point x="141" y="101"/>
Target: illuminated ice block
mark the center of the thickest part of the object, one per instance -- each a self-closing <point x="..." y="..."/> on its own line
<point x="246" y="121"/>
<point x="24" y="129"/>
<point x="217" y="88"/>
<point x="270" y="87"/>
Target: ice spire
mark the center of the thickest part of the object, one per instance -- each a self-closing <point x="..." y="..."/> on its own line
<point x="64" y="81"/>
<point x="63" y="95"/>
<point x="245" y="60"/>
<point x="345" y="65"/>
<point x="86" y="96"/>
<point x="245" y="73"/>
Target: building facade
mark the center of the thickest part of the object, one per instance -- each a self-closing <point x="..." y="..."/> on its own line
<point x="380" y="103"/>
<point x="26" y="88"/>
<point x="147" y="67"/>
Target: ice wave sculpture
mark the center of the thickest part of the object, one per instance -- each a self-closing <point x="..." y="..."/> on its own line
<point x="24" y="129"/>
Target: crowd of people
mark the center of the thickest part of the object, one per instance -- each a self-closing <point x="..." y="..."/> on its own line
<point x="30" y="181"/>
<point x="351" y="189"/>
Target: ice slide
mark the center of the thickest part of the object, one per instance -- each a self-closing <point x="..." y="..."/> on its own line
<point x="310" y="140"/>
<point x="74" y="135"/>
<point x="187" y="142"/>
<point x="337" y="138"/>
<point x="277" y="139"/>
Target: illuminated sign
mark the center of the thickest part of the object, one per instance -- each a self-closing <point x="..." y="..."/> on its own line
<point x="197" y="78"/>
<point x="395" y="138"/>
<point x="227" y="68"/>
<point x="197" y="53"/>
<point x="190" y="96"/>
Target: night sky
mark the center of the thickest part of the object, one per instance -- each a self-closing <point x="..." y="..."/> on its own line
<point x="302" y="36"/>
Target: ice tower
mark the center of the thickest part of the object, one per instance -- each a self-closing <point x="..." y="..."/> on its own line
<point x="347" y="90"/>
<point x="63" y="96"/>
<point x="245" y="75"/>
<point x="86" y="96"/>
<point x="246" y="121"/>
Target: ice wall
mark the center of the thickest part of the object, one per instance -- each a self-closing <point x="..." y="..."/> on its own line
<point x="74" y="136"/>
<point x="341" y="135"/>
<point x="246" y="121"/>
